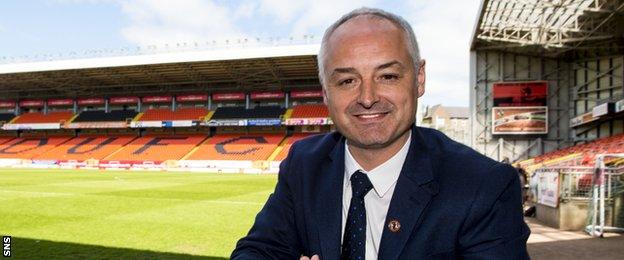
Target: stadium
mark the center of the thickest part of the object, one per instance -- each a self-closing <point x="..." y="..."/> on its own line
<point x="219" y="111"/>
<point x="170" y="153"/>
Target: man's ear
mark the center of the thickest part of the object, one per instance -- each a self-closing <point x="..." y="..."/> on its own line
<point x="421" y="78"/>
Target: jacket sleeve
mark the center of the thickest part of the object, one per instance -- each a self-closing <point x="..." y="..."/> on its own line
<point x="495" y="227"/>
<point x="274" y="234"/>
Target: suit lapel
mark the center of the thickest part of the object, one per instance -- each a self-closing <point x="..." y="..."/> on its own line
<point x="328" y="208"/>
<point x="414" y="189"/>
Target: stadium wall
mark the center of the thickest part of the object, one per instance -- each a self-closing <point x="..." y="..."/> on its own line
<point x="489" y="67"/>
<point x="574" y="88"/>
<point x="597" y="81"/>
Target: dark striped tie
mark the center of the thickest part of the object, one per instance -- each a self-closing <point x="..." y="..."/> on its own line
<point x="354" y="240"/>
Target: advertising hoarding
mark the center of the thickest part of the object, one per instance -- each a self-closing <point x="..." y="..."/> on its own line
<point x="548" y="188"/>
<point x="520" y="94"/>
<point x="519" y="120"/>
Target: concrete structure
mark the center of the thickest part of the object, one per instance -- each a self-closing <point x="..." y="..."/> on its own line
<point x="453" y="121"/>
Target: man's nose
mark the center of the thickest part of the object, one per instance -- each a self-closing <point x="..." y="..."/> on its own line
<point x="368" y="94"/>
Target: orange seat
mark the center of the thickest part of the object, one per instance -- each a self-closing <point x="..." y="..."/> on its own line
<point x="86" y="147"/>
<point x="588" y="150"/>
<point x="284" y="152"/>
<point x="244" y="147"/>
<point x="29" y="147"/>
<point x="310" y="111"/>
<point x="164" y="114"/>
<point x="5" y="139"/>
<point x="157" y="148"/>
<point x="51" y="117"/>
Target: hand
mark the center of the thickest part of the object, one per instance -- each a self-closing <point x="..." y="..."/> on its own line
<point x="314" y="257"/>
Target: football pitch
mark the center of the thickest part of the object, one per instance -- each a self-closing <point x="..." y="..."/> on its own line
<point x="122" y="214"/>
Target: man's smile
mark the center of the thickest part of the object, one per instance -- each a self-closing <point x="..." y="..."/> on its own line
<point x="368" y="117"/>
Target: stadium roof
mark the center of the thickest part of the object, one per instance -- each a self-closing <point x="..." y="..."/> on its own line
<point x="240" y="69"/>
<point x="555" y="28"/>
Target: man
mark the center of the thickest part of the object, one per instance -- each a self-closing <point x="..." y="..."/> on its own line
<point x="379" y="187"/>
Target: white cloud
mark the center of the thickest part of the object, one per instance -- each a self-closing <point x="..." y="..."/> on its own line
<point x="284" y="11"/>
<point x="324" y="12"/>
<point x="444" y="28"/>
<point x="245" y="10"/>
<point x="160" y="21"/>
<point x="307" y="17"/>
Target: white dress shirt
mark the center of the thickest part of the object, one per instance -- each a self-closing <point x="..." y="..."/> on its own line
<point x="376" y="201"/>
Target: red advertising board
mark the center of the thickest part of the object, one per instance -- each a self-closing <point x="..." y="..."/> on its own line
<point x="306" y="94"/>
<point x="228" y="96"/>
<point x="123" y="100"/>
<point x="31" y="103"/>
<point x="192" y="98"/>
<point x="520" y="94"/>
<point x="90" y="101"/>
<point x="156" y="99"/>
<point x="7" y="103"/>
<point x="60" y="102"/>
<point x="267" y="95"/>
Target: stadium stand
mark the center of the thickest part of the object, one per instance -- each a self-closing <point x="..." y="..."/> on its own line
<point x="29" y="147"/>
<point x="588" y="151"/>
<point x="51" y="117"/>
<point x="243" y="113"/>
<point x="86" y="147"/>
<point x="4" y="139"/>
<point x="310" y="111"/>
<point x="244" y="147"/>
<point x="6" y="117"/>
<point x="289" y="141"/>
<point x="157" y="148"/>
<point x="102" y="116"/>
<point x="163" y="114"/>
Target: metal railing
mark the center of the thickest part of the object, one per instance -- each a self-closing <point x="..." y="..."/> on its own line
<point x="600" y="186"/>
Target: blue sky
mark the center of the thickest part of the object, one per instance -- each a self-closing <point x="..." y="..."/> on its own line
<point x="53" y="27"/>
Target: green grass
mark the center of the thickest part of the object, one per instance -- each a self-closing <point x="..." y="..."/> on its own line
<point x="109" y="214"/>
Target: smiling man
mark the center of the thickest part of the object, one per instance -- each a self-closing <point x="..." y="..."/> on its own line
<point x="380" y="187"/>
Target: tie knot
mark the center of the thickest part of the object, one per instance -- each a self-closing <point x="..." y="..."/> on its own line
<point x="360" y="184"/>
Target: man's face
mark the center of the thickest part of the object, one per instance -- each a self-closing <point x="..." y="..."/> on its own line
<point x="371" y="85"/>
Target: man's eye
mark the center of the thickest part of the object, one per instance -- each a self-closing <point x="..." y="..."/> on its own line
<point x="389" y="76"/>
<point x="346" y="82"/>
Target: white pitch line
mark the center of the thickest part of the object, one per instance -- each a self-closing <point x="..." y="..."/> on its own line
<point x="234" y="202"/>
<point x="41" y="193"/>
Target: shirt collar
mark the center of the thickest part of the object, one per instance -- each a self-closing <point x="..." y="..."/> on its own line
<point x="383" y="176"/>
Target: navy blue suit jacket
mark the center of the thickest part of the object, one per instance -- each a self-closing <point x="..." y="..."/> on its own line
<point x="451" y="203"/>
